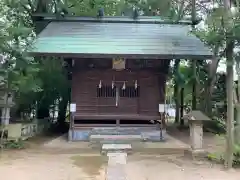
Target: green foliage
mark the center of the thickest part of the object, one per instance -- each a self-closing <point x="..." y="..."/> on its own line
<point x="116" y="8"/>
<point x="14" y="144"/>
<point x="45" y="80"/>
<point x="17" y="69"/>
<point x="31" y="80"/>
<point x="219" y="157"/>
<point x="216" y="157"/>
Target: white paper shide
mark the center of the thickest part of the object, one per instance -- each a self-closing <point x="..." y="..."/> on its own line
<point x="161" y="108"/>
<point x="72" y="107"/>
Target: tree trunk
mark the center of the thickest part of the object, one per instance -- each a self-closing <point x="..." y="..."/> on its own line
<point x="194" y="63"/>
<point x="43" y="112"/>
<point x="176" y="90"/>
<point x="209" y="83"/>
<point x="237" y="128"/>
<point x="62" y="113"/>
<point x="177" y="103"/>
<point x="182" y="107"/>
<point x="228" y="23"/>
<point x="207" y="101"/>
<point x="42" y="6"/>
<point x="230" y="107"/>
<point x="194" y="86"/>
<point x="237" y="104"/>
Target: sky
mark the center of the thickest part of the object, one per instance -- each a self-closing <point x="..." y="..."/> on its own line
<point x="222" y="68"/>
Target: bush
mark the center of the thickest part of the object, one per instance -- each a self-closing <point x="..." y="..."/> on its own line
<point x="13" y="144"/>
<point x="219" y="157"/>
<point x="236" y="155"/>
<point x="216" y="157"/>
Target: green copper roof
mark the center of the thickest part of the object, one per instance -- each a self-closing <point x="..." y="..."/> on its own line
<point x="119" y="39"/>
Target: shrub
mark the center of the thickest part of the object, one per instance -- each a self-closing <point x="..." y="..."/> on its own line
<point x="236" y="155"/>
<point x="219" y="157"/>
<point x="13" y="144"/>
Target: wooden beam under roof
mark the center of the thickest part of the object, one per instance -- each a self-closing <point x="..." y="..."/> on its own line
<point x="115" y="19"/>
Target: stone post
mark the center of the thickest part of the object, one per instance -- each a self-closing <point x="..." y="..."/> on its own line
<point x="196" y="136"/>
<point x="5" y="111"/>
<point x="5" y="116"/>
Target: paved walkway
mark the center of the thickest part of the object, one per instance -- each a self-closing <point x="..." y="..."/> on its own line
<point x="116" y="166"/>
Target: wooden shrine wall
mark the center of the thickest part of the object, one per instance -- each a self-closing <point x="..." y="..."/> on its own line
<point x="140" y="91"/>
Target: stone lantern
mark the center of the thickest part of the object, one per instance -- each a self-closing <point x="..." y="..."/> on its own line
<point x="195" y="119"/>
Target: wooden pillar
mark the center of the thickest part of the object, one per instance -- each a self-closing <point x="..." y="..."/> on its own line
<point x="118" y="122"/>
<point x="71" y="129"/>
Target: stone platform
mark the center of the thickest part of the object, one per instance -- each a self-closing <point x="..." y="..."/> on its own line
<point x="170" y="146"/>
<point x="143" y="133"/>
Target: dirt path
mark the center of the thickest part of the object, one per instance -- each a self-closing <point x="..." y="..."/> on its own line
<point x="27" y="165"/>
<point x="40" y="162"/>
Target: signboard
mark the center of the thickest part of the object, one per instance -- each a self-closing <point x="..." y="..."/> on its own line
<point x="161" y="108"/>
<point x="72" y="107"/>
<point x="118" y="63"/>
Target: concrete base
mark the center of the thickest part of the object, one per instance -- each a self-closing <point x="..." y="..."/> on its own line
<point x="200" y="153"/>
<point x="154" y="135"/>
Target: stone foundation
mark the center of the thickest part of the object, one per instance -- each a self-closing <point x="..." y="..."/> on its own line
<point x="154" y="135"/>
<point x="144" y="135"/>
<point x="78" y="135"/>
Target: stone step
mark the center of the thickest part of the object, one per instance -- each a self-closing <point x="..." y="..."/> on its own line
<point x="116" y="132"/>
<point x="121" y="130"/>
<point x="99" y="138"/>
<point x="111" y="148"/>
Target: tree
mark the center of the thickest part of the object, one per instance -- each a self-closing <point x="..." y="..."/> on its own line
<point x="237" y="101"/>
<point x="29" y="76"/>
<point x="228" y="25"/>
